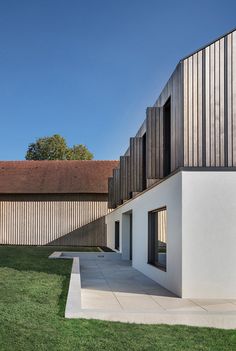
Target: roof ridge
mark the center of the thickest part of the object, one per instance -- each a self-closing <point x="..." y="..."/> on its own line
<point x="207" y="44"/>
<point x="26" y="161"/>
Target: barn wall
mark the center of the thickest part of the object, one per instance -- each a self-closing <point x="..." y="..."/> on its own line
<point x="43" y="219"/>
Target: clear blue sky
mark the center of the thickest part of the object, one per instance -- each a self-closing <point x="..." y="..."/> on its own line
<point x="87" y="69"/>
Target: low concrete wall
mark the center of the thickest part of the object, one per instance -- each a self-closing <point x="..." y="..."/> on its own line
<point x="73" y="302"/>
<point x="87" y="255"/>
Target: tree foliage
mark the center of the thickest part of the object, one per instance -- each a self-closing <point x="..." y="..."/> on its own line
<point x="79" y="152"/>
<point x="56" y="148"/>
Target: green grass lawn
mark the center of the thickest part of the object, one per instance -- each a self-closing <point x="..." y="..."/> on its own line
<point x="33" y="293"/>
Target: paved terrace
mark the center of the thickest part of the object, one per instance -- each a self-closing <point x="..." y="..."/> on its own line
<point x="113" y="290"/>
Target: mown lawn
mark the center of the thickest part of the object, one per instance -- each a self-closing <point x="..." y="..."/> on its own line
<point x="33" y="293"/>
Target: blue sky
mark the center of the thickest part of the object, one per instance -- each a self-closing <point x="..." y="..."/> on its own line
<point x="87" y="69"/>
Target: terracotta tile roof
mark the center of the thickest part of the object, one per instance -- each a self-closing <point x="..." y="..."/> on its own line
<point x="55" y="177"/>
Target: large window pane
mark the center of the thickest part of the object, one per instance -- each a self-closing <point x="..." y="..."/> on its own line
<point x="117" y="235"/>
<point x="157" y="238"/>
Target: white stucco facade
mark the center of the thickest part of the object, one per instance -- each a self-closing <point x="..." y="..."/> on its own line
<point x="167" y="193"/>
<point x="201" y="233"/>
<point x="209" y="234"/>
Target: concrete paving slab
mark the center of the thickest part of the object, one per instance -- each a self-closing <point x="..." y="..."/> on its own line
<point x="95" y="284"/>
<point x="99" y="300"/>
<point x="113" y="290"/>
<point x="177" y="304"/>
<point x="224" y="307"/>
<point x="138" y="303"/>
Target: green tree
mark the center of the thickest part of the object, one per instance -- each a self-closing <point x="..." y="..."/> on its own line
<point x="55" y="148"/>
<point x="79" y="152"/>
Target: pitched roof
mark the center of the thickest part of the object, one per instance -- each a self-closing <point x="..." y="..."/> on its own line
<point x="55" y="177"/>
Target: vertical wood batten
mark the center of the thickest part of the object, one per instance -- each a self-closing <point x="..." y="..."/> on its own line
<point x="195" y="109"/>
<point x="154" y="151"/>
<point x="217" y="105"/>
<point x="202" y="92"/>
<point x="233" y="101"/>
<point x="190" y="110"/>
<point x="209" y="103"/>
<point x="39" y="221"/>
<point x="185" y="114"/>
<point x="125" y="177"/>
<point x="173" y="90"/>
<point x="136" y="164"/>
<point x="222" y="79"/>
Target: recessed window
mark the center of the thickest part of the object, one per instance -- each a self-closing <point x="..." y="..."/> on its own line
<point x="117" y="235"/>
<point x="157" y="238"/>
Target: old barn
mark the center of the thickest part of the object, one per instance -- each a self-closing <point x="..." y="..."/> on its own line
<point x="54" y="202"/>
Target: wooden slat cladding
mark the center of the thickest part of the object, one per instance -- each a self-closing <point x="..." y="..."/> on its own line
<point x="91" y="234"/>
<point x="174" y="90"/>
<point x="125" y="177"/>
<point x="111" y="193"/>
<point x="209" y="80"/>
<point x="201" y="131"/>
<point x="116" y="178"/>
<point x="154" y="148"/>
<point x="136" y="165"/>
<point x="41" y="219"/>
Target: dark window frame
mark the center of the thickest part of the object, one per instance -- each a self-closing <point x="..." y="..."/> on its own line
<point x="152" y="240"/>
<point x="117" y="235"/>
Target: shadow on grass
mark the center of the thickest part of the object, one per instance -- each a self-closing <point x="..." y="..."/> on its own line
<point x="35" y="259"/>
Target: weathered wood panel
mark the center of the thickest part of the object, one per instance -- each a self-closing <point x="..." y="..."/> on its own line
<point x="174" y="90"/>
<point x="125" y="177"/>
<point x="91" y="234"/>
<point x="136" y="165"/>
<point x="154" y="147"/>
<point x="117" y="194"/>
<point x="41" y="219"/>
<point x="202" y="95"/>
<point x="111" y="193"/>
<point x="209" y="80"/>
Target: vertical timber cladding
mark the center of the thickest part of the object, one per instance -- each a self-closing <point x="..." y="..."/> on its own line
<point x="117" y="195"/>
<point x="125" y="177"/>
<point x="173" y="90"/>
<point x="209" y="78"/>
<point x="137" y="173"/>
<point x="111" y="199"/>
<point x="42" y="219"/>
<point x="154" y="140"/>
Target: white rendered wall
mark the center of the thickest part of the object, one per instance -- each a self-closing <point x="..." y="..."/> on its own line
<point x="201" y="233"/>
<point x="167" y="193"/>
<point x="209" y="234"/>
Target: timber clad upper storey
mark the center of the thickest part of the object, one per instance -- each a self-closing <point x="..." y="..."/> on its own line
<point x="192" y="123"/>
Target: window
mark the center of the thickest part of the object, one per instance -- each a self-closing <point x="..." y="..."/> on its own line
<point x="117" y="235"/>
<point x="157" y="238"/>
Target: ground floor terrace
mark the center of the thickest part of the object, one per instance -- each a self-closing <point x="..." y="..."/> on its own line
<point x="105" y="287"/>
<point x="34" y="291"/>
